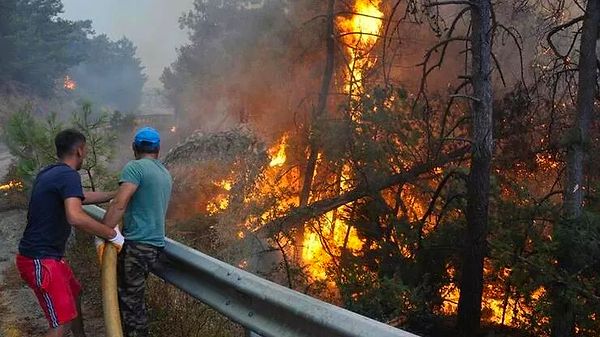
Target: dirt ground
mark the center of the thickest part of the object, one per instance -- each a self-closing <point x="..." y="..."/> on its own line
<point x="20" y="314"/>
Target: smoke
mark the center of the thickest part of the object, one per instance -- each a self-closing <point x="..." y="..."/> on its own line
<point x="264" y="66"/>
<point x="152" y="25"/>
<point x="260" y="66"/>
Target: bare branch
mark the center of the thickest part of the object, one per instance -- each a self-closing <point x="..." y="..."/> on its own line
<point x="559" y="28"/>
<point x="474" y="99"/>
<point x="513" y="34"/>
<point x="449" y="2"/>
<point x="497" y="63"/>
<point x="427" y="71"/>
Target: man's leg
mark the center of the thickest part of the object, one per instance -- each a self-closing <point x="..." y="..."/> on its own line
<point x="77" y="323"/>
<point x="133" y="266"/>
<point x="59" y="331"/>
<point x="49" y="281"/>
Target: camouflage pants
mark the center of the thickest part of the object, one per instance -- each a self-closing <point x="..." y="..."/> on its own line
<point x="133" y="265"/>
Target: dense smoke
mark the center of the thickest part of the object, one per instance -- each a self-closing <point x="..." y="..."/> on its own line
<point x="263" y="64"/>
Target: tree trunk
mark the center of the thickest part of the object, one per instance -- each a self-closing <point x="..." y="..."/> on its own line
<point x="321" y="105"/>
<point x="313" y="150"/>
<point x="478" y="189"/>
<point x="563" y="316"/>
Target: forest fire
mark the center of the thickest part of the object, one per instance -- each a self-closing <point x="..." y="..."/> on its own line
<point x="359" y="33"/>
<point x="11" y="185"/>
<point x="394" y="158"/>
<point x="345" y="228"/>
<point x="69" y="83"/>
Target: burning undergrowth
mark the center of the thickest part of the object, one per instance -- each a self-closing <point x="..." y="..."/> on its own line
<point x="235" y="183"/>
<point x="223" y="179"/>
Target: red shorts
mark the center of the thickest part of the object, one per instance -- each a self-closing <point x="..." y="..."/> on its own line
<point x="54" y="285"/>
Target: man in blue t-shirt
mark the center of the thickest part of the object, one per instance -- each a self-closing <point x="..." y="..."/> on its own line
<point x="142" y="201"/>
<point x="55" y="206"/>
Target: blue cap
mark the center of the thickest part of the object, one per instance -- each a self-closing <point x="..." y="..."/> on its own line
<point x="147" y="136"/>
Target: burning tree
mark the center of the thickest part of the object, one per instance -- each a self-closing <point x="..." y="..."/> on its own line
<point x="377" y="190"/>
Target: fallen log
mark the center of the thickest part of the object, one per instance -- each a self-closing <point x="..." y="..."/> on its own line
<point x="368" y="186"/>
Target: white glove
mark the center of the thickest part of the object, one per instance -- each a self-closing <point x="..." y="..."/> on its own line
<point x="100" y="243"/>
<point x="118" y="240"/>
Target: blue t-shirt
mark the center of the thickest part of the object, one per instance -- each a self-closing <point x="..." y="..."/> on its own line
<point x="47" y="228"/>
<point x="144" y="219"/>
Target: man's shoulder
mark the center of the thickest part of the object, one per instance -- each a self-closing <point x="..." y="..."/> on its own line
<point x="55" y="172"/>
<point x="149" y="164"/>
<point x="131" y="163"/>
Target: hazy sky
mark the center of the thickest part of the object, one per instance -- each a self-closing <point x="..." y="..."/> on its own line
<point x="152" y="25"/>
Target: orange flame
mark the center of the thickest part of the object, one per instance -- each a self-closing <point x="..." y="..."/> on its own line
<point x="11" y="185"/>
<point x="336" y="233"/>
<point x="69" y="83"/>
<point x="278" y="156"/>
<point x="221" y="201"/>
<point x="498" y="309"/>
<point x="360" y="32"/>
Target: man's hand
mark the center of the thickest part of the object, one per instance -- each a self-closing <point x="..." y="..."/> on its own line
<point x="117" y="241"/>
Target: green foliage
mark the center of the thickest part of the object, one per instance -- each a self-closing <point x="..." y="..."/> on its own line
<point x="121" y="122"/>
<point x="249" y="54"/>
<point x="382" y="299"/>
<point x="385" y="127"/>
<point x="31" y="140"/>
<point x="38" y="46"/>
<point x="100" y="143"/>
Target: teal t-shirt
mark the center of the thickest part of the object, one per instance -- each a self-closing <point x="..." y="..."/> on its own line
<point x="144" y="219"/>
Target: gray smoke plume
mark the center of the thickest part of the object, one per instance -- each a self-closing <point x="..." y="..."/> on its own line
<point x="152" y="25"/>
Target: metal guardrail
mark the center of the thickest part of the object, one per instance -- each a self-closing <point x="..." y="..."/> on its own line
<point x="259" y="305"/>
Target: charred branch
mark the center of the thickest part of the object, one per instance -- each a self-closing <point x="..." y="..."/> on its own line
<point x="449" y="2"/>
<point x="557" y="29"/>
<point x="366" y="188"/>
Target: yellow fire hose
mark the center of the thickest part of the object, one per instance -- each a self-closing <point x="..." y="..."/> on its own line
<point x="110" y="300"/>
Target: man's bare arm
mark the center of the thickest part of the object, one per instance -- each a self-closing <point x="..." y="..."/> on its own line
<point x="119" y="204"/>
<point x="80" y="220"/>
<point x="97" y="197"/>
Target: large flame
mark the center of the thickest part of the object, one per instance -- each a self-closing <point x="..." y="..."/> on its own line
<point x="325" y="239"/>
<point x="330" y="239"/>
<point x="359" y="34"/>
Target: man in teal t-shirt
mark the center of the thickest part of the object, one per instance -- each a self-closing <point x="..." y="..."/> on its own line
<point x="142" y="201"/>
